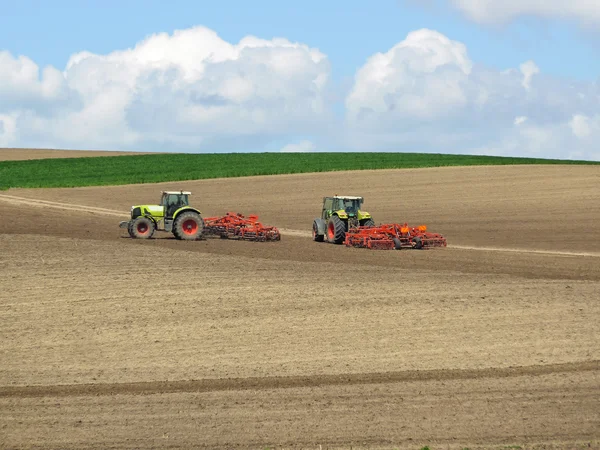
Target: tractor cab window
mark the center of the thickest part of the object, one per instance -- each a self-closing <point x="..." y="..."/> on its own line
<point x="351" y="205"/>
<point x="172" y="202"/>
<point x="175" y="200"/>
<point x="327" y="206"/>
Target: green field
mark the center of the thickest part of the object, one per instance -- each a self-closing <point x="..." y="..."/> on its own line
<point x="135" y="169"/>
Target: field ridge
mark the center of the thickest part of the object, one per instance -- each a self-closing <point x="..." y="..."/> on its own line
<point x="297" y="381"/>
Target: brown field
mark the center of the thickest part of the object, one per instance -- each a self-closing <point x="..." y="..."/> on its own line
<point x="19" y="154"/>
<point x="493" y="342"/>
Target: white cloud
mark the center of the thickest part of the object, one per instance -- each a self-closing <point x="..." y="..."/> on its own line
<point x="20" y="77"/>
<point x="584" y="126"/>
<point x="528" y="69"/>
<point x="520" y="120"/>
<point x="190" y="89"/>
<point x="494" y="11"/>
<point x="7" y="131"/>
<point x="425" y="94"/>
<point x="580" y="125"/>
<point x="300" y="147"/>
<point x="406" y="80"/>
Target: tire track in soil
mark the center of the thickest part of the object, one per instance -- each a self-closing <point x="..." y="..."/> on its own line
<point x="284" y="231"/>
<point x="281" y="382"/>
<point x="57" y="205"/>
<point x="301" y="233"/>
<point x="520" y="250"/>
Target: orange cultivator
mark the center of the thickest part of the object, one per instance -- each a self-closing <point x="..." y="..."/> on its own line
<point x="236" y="226"/>
<point x="393" y="236"/>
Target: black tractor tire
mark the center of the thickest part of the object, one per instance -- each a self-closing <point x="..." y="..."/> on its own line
<point x="417" y="243"/>
<point x="315" y="233"/>
<point x="130" y="229"/>
<point x="336" y="230"/>
<point x="188" y="226"/>
<point x="397" y="244"/>
<point x="141" y="228"/>
<point x="367" y="223"/>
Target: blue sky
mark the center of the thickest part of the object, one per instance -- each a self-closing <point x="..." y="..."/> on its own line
<point x="563" y="49"/>
<point x="348" y="32"/>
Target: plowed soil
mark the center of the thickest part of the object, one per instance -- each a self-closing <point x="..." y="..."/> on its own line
<point x="492" y="342"/>
<point x="18" y="154"/>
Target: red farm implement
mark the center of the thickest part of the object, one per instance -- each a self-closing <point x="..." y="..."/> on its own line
<point x="236" y="226"/>
<point x="393" y="236"/>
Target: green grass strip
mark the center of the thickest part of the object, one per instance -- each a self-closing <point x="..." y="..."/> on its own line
<point x="135" y="169"/>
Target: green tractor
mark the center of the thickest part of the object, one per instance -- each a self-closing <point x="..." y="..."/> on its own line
<point x="339" y="214"/>
<point x="173" y="214"/>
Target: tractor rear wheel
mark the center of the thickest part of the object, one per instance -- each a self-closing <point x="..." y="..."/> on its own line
<point x="141" y="228"/>
<point x="336" y="230"/>
<point x="315" y="232"/>
<point x="368" y="223"/>
<point x="188" y="226"/>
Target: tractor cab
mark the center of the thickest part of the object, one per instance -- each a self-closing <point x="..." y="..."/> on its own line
<point x="171" y="201"/>
<point x="350" y="205"/>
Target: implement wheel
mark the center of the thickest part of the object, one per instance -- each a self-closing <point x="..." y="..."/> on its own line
<point x="336" y="230"/>
<point x="417" y="243"/>
<point x="141" y="228"/>
<point x="188" y="226"/>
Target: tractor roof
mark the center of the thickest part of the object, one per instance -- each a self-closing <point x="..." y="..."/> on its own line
<point x="176" y="192"/>
<point x="349" y="197"/>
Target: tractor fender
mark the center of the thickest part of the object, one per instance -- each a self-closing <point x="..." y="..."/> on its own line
<point x="341" y="214"/>
<point x="152" y="218"/>
<point x="321" y="225"/>
<point x="363" y="215"/>
<point x="184" y="209"/>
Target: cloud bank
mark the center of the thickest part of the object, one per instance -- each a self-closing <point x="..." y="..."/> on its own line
<point x="496" y="11"/>
<point x="190" y="90"/>
<point x="193" y="91"/>
<point x="426" y="94"/>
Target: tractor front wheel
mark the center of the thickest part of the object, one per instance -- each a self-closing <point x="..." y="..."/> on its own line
<point x="141" y="228"/>
<point x="367" y="223"/>
<point x="336" y="230"/>
<point x="188" y="226"/>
